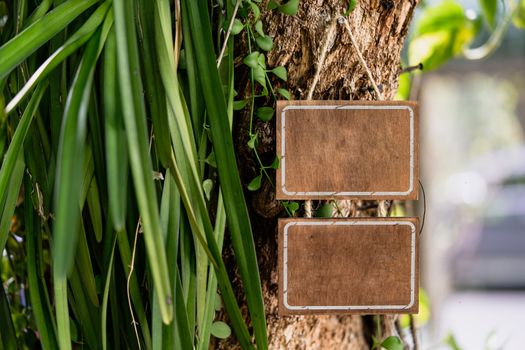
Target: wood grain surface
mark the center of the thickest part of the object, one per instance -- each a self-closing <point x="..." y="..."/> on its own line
<point x="348" y="266"/>
<point x="347" y="150"/>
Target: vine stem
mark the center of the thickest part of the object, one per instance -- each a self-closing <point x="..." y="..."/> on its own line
<point x="131" y="269"/>
<point x="230" y="26"/>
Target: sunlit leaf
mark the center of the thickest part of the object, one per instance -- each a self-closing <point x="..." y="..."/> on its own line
<point x="519" y="15"/>
<point x="392" y="343"/>
<point x="490" y="11"/>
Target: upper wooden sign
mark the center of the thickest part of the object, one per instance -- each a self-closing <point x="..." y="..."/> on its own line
<point x="354" y="265"/>
<point x="347" y="149"/>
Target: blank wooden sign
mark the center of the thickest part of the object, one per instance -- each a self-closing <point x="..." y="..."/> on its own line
<point x="345" y="149"/>
<point x="357" y="265"/>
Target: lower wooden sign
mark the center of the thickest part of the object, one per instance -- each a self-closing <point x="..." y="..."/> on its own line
<point x="348" y="266"/>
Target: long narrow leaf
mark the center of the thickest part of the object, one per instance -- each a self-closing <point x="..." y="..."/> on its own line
<point x="137" y="136"/>
<point x="6" y="172"/>
<point x="9" y="198"/>
<point x="7" y="335"/>
<point x="39" y="306"/>
<point x="116" y="151"/>
<point x="28" y="41"/>
<point x="238" y="218"/>
<point x="68" y="184"/>
<point x="74" y="42"/>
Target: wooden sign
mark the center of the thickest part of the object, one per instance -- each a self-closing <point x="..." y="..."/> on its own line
<point x="336" y="149"/>
<point x="357" y="265"/>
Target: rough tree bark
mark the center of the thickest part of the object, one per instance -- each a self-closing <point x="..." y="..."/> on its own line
<point x="379" y="27"/>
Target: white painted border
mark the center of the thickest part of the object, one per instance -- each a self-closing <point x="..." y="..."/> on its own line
<point x="336" y="194"/>
<point x="326" y="222"/>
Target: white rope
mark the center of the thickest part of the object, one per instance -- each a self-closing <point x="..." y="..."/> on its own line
<point x="361" y="59"/>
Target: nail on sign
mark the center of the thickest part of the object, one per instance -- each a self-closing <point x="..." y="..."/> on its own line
<point x="345" y="149"/>
<point x="357" y="265"/>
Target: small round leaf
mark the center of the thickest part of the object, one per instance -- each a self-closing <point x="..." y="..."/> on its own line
<point x="255" y="184"/>
<point x="207" y="185"/>
<point x="284" y="93"/>
<point x="252" y="59"/>
<point x="290" y="8"/>
<point x="237" y="27"/>
<point x="264" y="42"/>
<point x="220" y="330"/>
<point x="265" y="113"/>
<point x="280" y="72"/>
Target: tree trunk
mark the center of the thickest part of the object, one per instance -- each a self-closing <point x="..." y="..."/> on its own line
<point x="379" y="28"/>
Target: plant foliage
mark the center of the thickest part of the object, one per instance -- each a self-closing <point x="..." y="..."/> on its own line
<point x="118" y="174"/>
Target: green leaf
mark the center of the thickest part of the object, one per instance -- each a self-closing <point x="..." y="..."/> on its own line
<point x="261" y="60"/>
<point x="447" y="15"/>
<point x="350" y="7"/>
<point x="251" y="60"/>
<point x="237" y="213"/>
<point x="237" y="27"/>
<point x="34" y="36"/>
<point x="290" y="207"/>
<point x="264" y="42"/>
<point x="442" y="33"/>
<point x="403" y="89"/>
<point x="280" y="72"/>
<point x="238" y="105"/>
<point x="284" y="93"/>
<point x="207" y="186"/>
<point x="272" y="5"/>
<point x="519" y="15"/>
<point x="74" y="42"/>
<point x="490" y="11"/>
<point x="255" y="184"/>
<point x="265" y="113"/>
<point x="259" y="75"/>
<point x="259" y="28"/>
<point x="290" y="8"/>
<point x="253" y="141"/>
<point x="134" y="113"/>
<point x="451" y="341"/>
<point x="392" y="343"/>
<point x="276" y="164"/>
<point x="220" y="330"/>
<point x="211" y="160"/>
<point x="218" y="302"/>
<point x="256" y="11"/>
<point x="325" y="211"/>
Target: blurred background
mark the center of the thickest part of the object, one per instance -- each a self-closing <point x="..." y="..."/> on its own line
<point x="473" y="171"/>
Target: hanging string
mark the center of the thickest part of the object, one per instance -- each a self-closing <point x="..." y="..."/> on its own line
<point x="329" y="37"/>
<point x="361" y="59"/>
<point x="424" y="207"/>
